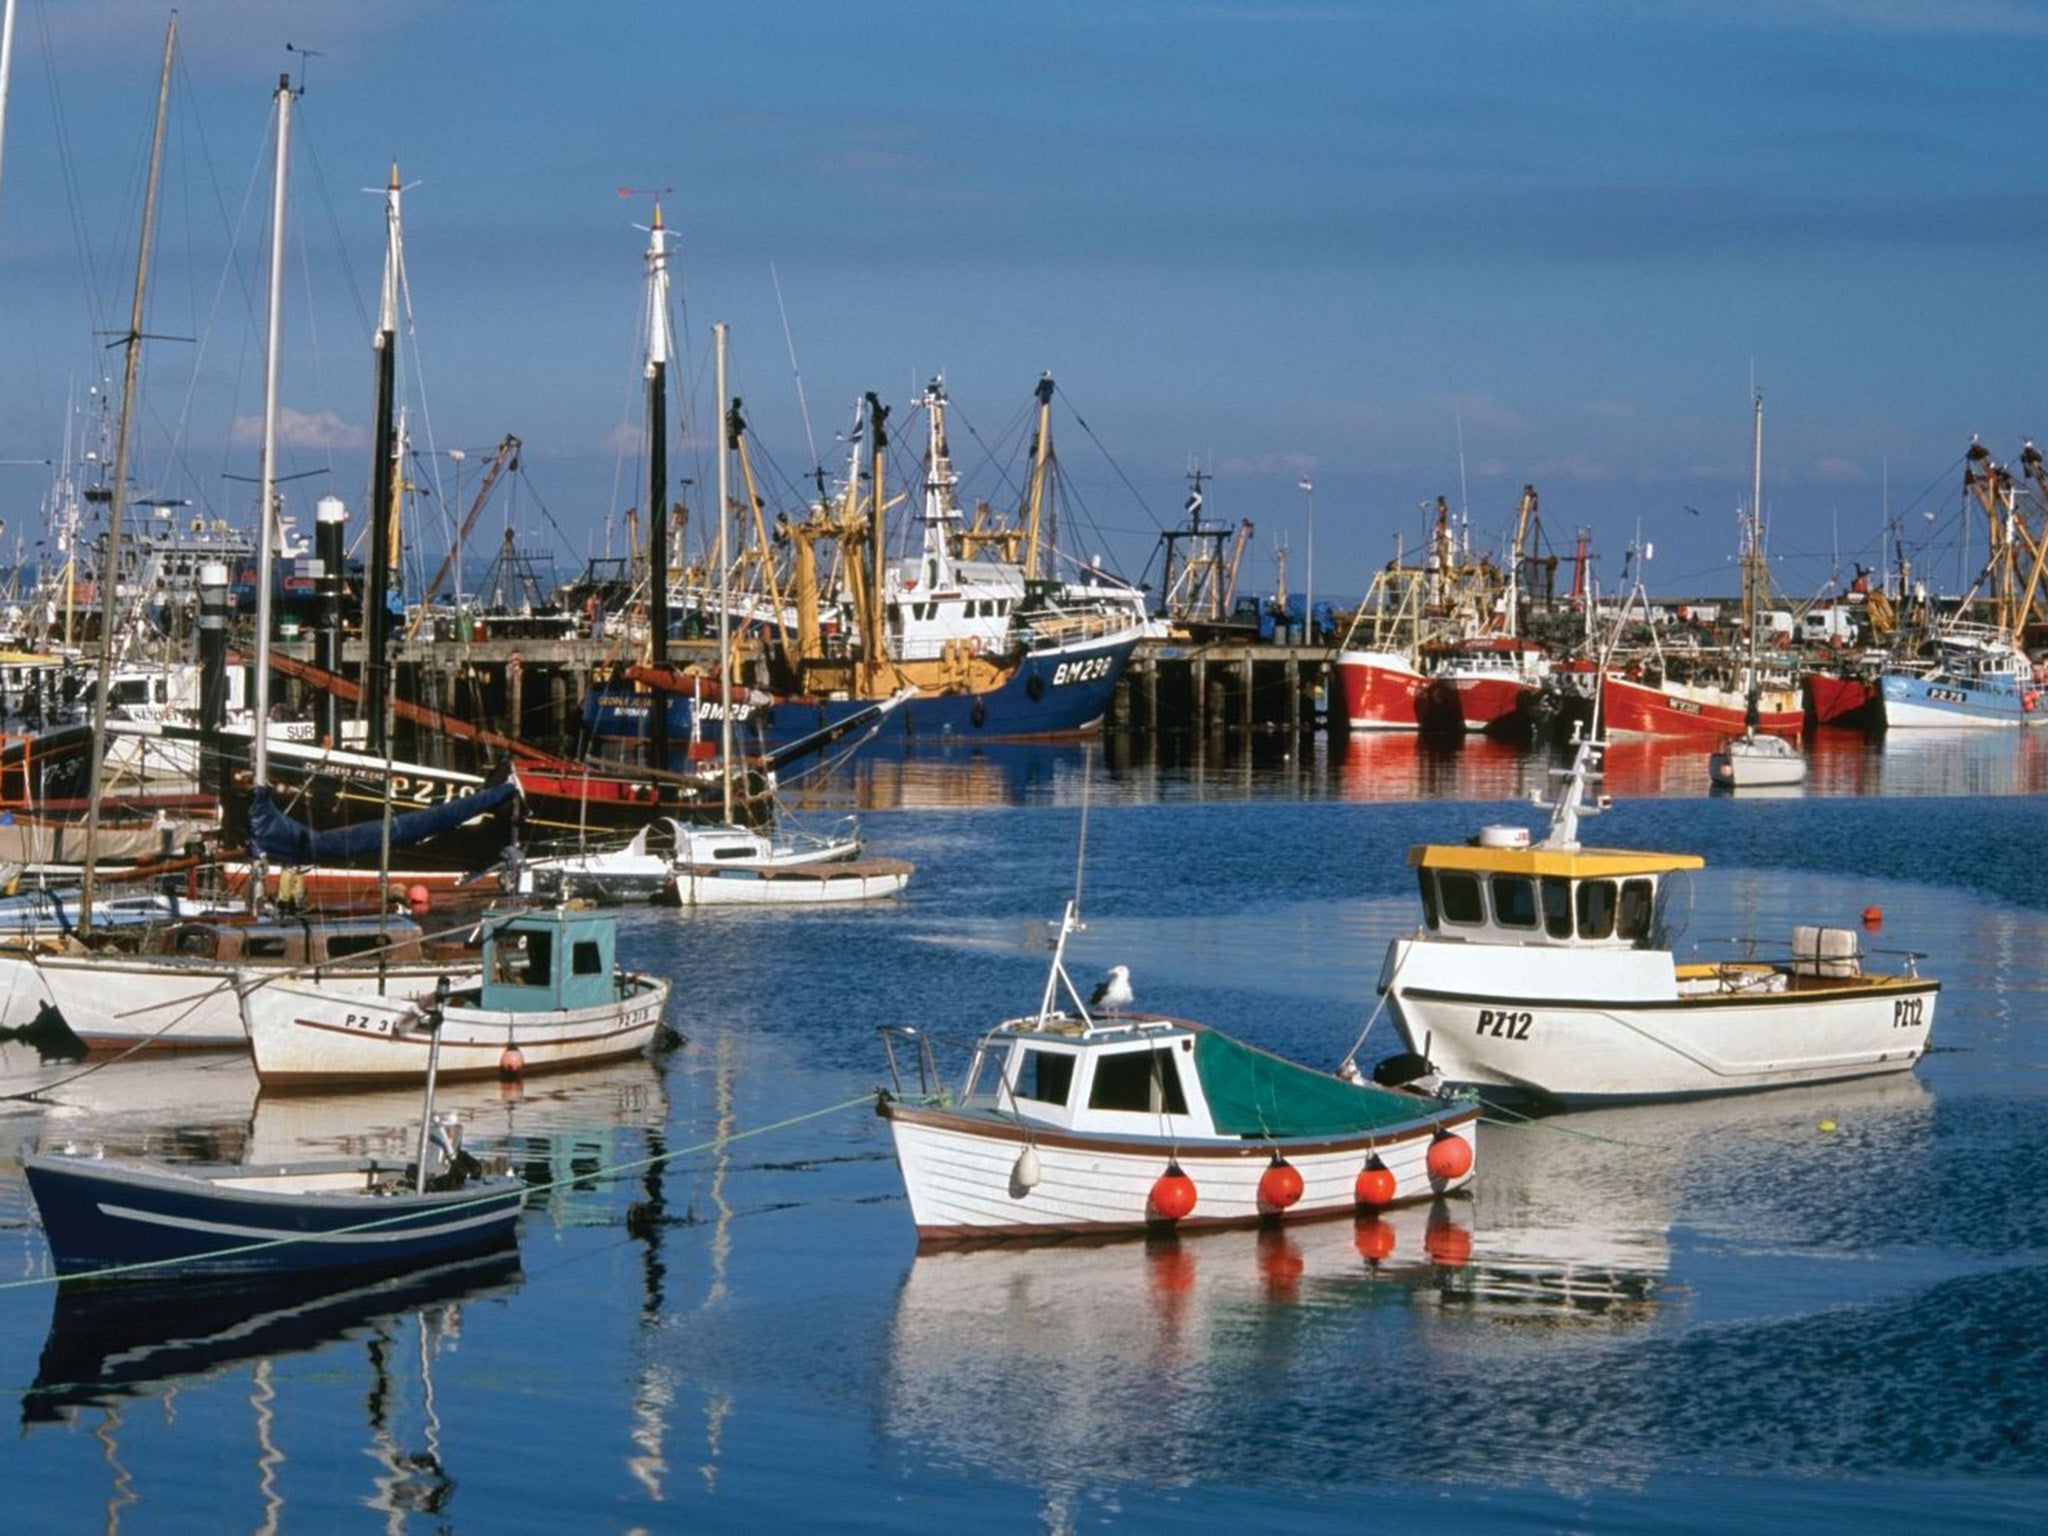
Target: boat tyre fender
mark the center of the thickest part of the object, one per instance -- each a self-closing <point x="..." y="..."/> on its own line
<point x="1402" y="1068"/>
<point x="1034" y="685"/>
<point x="978" y="714"/>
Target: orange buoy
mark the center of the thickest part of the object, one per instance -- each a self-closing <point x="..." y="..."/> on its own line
<point x="1173" y="1194"/>
<point x="1375" y="1183"/>
<point x="1280" y="1185"/>
<point x="1450" y="1157"/>
<point x="1374" y="1239"/>
<point x="511" y="1061"/>
<point x="1873" y="917"/>
<point x="1448" y="1243"/>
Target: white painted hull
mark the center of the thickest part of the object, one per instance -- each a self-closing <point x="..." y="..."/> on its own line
<point x="303" y="1035"/>
<point x="798" y="885"/>
<point x="959" y="1168"/>
<point x="118" y="1002"/>
<point x="1573" y="1047"/>
<point x="1768" y="762"/>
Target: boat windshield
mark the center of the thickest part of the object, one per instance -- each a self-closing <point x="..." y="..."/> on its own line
<point x="1046" y="1077"/>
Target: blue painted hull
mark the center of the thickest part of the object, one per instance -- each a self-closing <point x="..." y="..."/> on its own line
<point x="1912" y="700"/>
<point x="1050" y="695"/>
<point x="105" y="1214"/>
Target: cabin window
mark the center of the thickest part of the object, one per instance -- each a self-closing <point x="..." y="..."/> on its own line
<point x="1459" y="892"/>
<point x="341" y="945"/>
<point x="1514" y="901"/>
<point x="1638" y="900"/>
<point x="1145" y="1081"/>
<point x="1596" y="909"/>
<point x="585" y="959"/>
<point x="524" y="959"/>
<point x="1557" y="907"/>
<point x="731" y="853"/>
<point x="540" y="958"/>
<point x="1426" y="878"/>
<point x="266" y="947"/>
<point x="1047" y="1076"/>
<point x="195" y="942"/>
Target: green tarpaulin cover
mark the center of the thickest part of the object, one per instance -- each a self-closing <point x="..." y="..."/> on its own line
<point x="1252" y="1093"/>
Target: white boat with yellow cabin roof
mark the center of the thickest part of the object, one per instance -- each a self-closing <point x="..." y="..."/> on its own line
<point x="1545" y="970"/>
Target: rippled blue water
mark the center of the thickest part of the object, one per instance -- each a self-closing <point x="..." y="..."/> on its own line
<point x="1712" y="1318"/>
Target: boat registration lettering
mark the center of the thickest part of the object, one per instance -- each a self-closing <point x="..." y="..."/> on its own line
<point x="1087" y="670"/>
<point x="1504" y="1023"/>
<point x="1685" y="706"/>
<point x="1908" y="1012"/>
<point x="418" y="788"/>
<point x="1946" y="695"/>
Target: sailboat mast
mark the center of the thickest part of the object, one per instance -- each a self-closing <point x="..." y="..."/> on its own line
<point x="657" y="482"/>
<point x="110" y="566"/>
<point x="259" y="749"/>
<point x="7" y="69"/>
<point x="383" y="482"/>
<point x="725" y="445"/>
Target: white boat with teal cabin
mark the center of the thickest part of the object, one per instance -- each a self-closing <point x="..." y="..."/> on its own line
<point x="551" y="996"/>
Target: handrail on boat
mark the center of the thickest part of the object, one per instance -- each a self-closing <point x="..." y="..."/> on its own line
<point x="928" y="1080"/>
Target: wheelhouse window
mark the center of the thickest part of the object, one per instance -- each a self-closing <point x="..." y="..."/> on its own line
<point x="1638" y="902"/>
<point x="1514" y="901"/>
<point x="1426" y="878"/>
<point x="1045" y="1076"/>
<point x="585" y="958"/>
<point x="1596" y="909"/>
<point x="1458" y="890"/>
<point x="1145" y="1081"/>
<point x="1557" y="907"/>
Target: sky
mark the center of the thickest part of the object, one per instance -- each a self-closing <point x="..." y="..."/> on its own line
<point x="1397" y="251"/>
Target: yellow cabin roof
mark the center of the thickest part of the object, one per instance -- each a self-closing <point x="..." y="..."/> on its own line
<point x="1572" y="864"/>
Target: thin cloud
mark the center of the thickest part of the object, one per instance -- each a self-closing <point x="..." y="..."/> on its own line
<point x="302" y="429"/>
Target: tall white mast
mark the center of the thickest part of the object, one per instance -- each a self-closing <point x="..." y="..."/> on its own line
<point x="259" y="750"/>
<point x="7" y="69"/>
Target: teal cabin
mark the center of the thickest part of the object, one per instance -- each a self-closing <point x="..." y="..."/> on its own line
<point x="542" y="962"/>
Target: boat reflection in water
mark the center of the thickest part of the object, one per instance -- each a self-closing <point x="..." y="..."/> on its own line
<point x="111" y="1342"/>
<point x="1388" y="765"/>
<point x="1370" y="1345"/>
<point x="182" y="1106"/>
<point x="558" y="1131"/>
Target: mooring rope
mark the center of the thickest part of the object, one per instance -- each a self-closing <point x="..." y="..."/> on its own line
<point x="612" y="1171"/>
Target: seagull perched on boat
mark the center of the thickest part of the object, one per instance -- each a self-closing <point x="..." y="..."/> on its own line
<point x="1113" y="991"/>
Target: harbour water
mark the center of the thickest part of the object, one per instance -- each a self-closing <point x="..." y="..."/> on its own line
<point x="1812" y="1307"/>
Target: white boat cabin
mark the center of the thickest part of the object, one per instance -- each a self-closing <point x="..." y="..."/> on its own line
<point x="1128" y="1077"/>
<point x="1498" y="889"/>
<point x="1163" y="1080"/>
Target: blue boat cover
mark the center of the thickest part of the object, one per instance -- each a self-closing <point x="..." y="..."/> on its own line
<point x="279" y="838"/>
